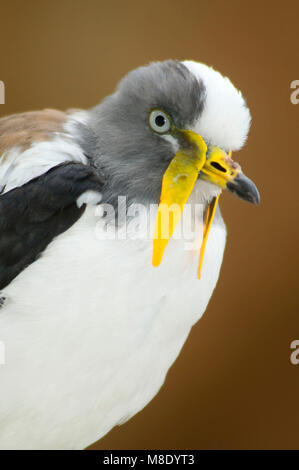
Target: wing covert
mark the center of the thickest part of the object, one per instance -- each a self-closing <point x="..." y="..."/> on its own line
<point x="33" y="214"/>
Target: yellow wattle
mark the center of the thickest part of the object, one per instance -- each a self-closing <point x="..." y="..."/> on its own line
<point x="208" y="222"/>
<point x="177" y="184"/>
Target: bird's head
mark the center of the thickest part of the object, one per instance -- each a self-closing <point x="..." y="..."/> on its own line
<point x="180" y="112"/>
<point x="167" y="126"/>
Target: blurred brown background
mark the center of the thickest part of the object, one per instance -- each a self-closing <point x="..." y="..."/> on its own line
<point x="233" y="385"/>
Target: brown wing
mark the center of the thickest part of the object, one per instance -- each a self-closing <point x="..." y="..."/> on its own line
<point x="21" y="130"/>
<point x="33" y="212"/>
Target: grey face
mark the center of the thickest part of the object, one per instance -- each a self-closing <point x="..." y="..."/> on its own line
<point x="119" y="141"/>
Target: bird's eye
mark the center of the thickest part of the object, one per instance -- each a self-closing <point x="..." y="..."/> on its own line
<point x="159" y="121"/>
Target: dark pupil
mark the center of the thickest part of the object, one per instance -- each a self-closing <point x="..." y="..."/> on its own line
<point x="160" y="120"/>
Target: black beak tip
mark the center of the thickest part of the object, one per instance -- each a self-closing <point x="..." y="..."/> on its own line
<point x="245" y="189"/>
<point x="255" y="198"/>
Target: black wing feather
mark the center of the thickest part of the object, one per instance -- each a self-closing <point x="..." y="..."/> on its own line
<point x="33" y="214"/>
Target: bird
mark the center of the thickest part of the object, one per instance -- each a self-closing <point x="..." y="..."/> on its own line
<point x="96" y="305"/>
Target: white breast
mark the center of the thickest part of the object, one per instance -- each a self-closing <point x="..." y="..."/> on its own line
<point x="90" y="331"/>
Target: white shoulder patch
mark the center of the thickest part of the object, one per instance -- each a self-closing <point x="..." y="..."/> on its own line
<point x="225" y="120"/>
<point x="89" y="197"/>
<point x="20" y="166"/>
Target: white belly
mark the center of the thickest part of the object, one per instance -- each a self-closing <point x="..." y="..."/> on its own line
<point x="90" y="331"/>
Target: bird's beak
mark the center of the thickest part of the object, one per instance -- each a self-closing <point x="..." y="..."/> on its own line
<point x="179" y="179"/>
<point x="221" y="170"/>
